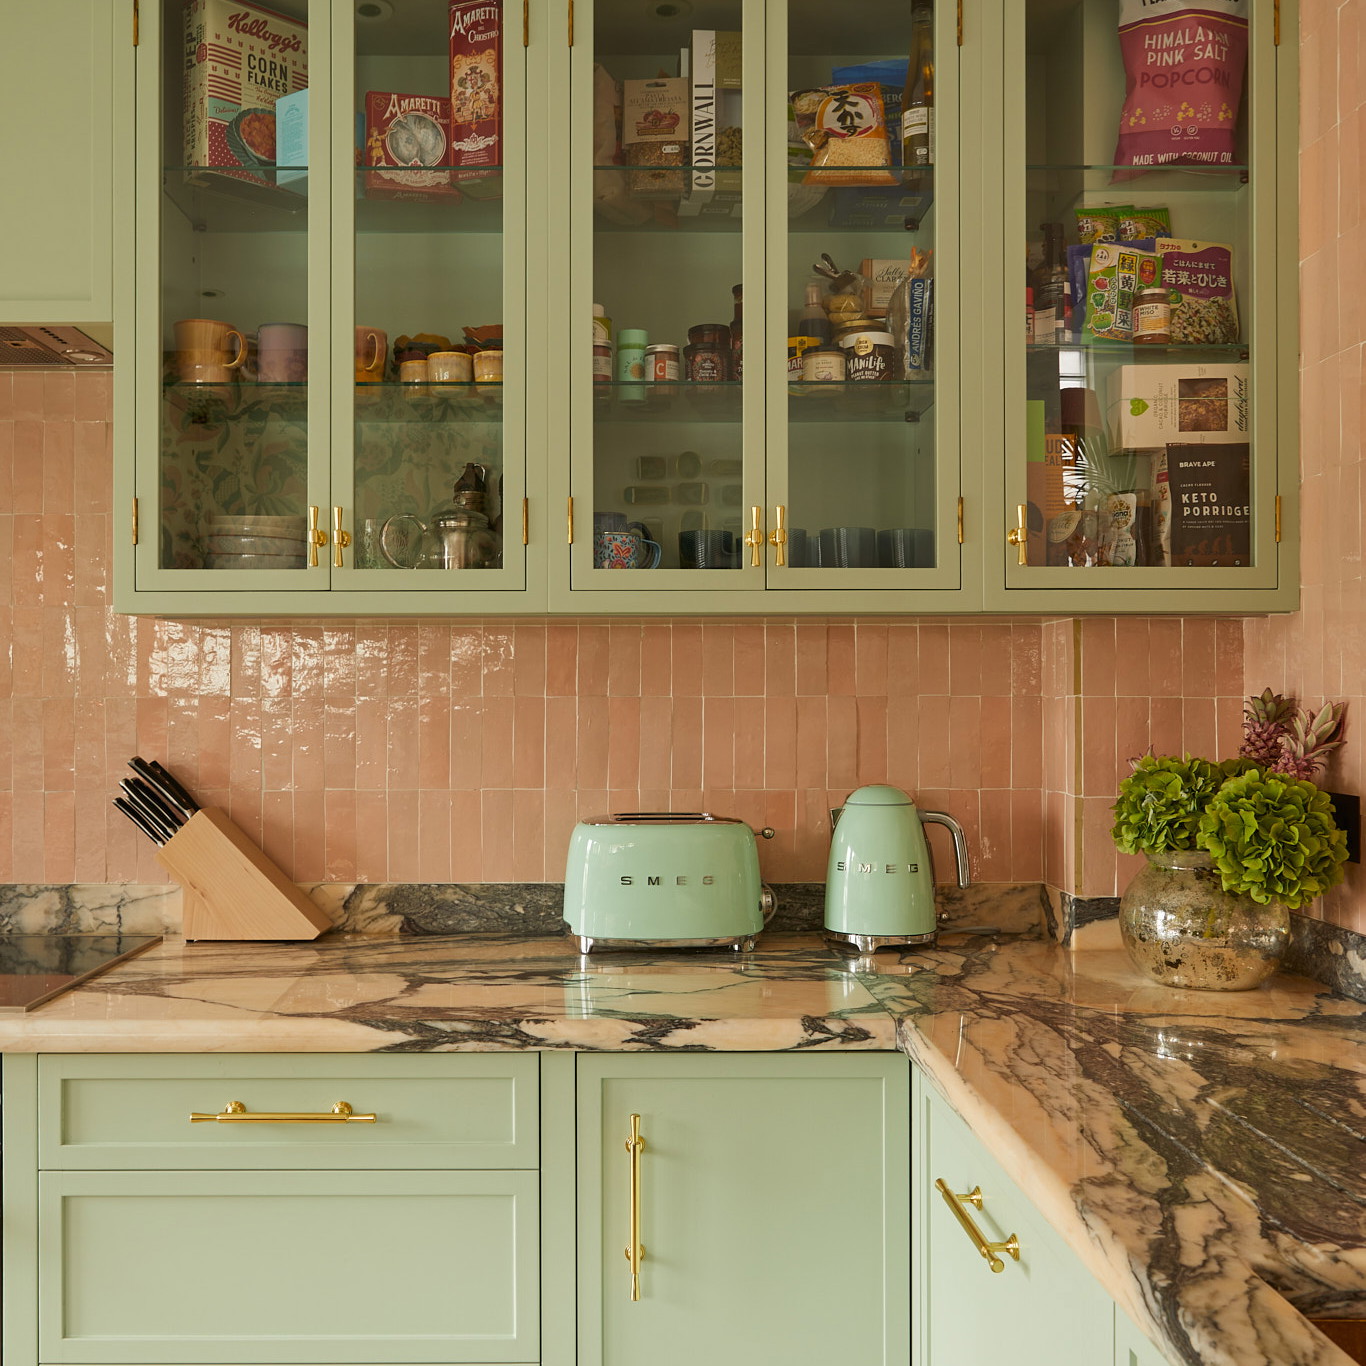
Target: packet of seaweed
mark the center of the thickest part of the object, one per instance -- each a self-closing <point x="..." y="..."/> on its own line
<point x="1199" y="279"/>
<point x="1100" y="222"/>
<point x="1118" y="271"/>
<point x="1135" y="223"/>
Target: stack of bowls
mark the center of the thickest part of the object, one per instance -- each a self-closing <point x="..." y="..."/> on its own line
<point x="251" y="542"/>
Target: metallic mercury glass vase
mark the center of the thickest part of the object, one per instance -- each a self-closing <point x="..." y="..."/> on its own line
<point x="1181" y="927"/>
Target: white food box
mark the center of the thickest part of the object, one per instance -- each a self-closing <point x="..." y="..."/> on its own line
<point x="1154" y="405"/>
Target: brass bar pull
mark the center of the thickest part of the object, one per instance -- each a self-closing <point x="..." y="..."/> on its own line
<point x="571" y="520"/>
<point x="777" y="538"/>
<point x="526" y="23"/>
<point x="1018" y="535"/>
<point x="987" y="1250"/>
<point x="960" y="23"/>
<point x="316" y="538"/>
<point x="526" y="522"/>
<point x="635" y="1253"/>
<point x="340" y="538"/>
<point x="1278" y="520"/>
<point x="135" y="520"/>
<point x="571" y="23"/>
<point x="234" y="1112"/>
<point x="754" y="538"/>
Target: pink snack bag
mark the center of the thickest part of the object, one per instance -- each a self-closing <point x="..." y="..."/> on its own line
<point x="1184" y="64"/>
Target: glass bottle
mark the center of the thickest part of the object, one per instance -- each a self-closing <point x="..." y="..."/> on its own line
<point x="917" y="105"/>
<point x="1051" y="289"/>
<point x="814" y="321"/>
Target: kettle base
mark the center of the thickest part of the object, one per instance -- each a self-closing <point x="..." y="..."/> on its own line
<point x="869" y="943"/>
<point x="741" y="943"/>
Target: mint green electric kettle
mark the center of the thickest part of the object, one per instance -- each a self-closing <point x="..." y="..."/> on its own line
<point x="879" y="883"/>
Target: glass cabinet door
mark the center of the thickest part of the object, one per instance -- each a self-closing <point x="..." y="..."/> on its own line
<point x="1141" y="404"/>
<point x="666" y="434"/>
<point x="862" y="142"/>
<point x="428" y="253"/>
<point x="224" y="406"/>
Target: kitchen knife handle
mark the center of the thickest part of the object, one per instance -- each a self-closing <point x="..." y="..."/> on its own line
<point x="635" y="1253"/>
<point x="986" y="1250"/>
<point x="234" y="1112"/>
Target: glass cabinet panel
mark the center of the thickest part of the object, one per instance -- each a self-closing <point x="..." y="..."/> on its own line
<point x="1134" y="442"/>
<point x="857" y="488"/>
<point x="667" y="435"/>
<point x="432" y="354"/>
<point x="225" y="319"/>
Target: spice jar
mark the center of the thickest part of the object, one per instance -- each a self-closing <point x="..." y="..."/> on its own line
<point x="602" y="362"/>
<point x="631" y="362"/>
<point x="823" y="365"/>
<point x="1153" y="316"/>
<point x="661" y="362"/>
<point x="707" y="362"/>
<point x="869" y="356"/>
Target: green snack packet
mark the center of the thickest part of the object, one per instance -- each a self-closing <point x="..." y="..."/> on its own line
<point x="1136" y="223"/>
<point x="1100" y="222"/>
<point x="1118" y="271"/>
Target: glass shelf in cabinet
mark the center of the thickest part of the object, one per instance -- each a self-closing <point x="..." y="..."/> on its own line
<point x="859" y="400"/>
<point x="477" y="208"/>
<point x="1130" y="351"/>
<point x="213" y="199"/>
<point x="222" y="401"/>
<point x="859" y="208"/>
<point x="668" y="401"/>
<point x="466" y="401"/>
<point x="1149" y="179"/>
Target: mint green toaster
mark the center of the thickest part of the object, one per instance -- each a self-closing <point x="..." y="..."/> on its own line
<point x="664" y="879"/>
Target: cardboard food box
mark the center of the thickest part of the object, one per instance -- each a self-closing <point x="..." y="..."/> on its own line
<point x="1148" y="406"/>
<point x="407" y="147"/>
<point x="883" y="277"/>
<point x="291" y="142"/>
<point x="476" y="124"/>
<point x="239" y="59"/>
<point x="1211" y="504"/>
<point x="717" y="105"/>
<point x="654" y="134"/>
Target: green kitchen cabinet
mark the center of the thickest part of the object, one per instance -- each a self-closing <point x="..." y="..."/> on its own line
<point x="742" y="488"/>
<point x="1131" y="1347"/>
<point x="767" y="1200"/>
<point x="59" y="64"/>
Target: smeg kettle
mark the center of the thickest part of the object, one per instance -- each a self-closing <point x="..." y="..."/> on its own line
<point x="879" y="884"/>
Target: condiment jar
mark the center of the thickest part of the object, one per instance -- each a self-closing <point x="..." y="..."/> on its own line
<point x="823" y="365"/>
<point x="797" y="347"/>
<point x="602" y="326"/>
<point x="706" y="362"/>
<point x="661" y="362"/>
<point x="1153" y="316"/>
<point x="710" y="334"/>
<point x="869" y="356"/>
<point x="602" y="362"/>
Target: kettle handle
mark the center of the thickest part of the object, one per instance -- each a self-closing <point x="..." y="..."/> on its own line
<point x="960" y="844"/>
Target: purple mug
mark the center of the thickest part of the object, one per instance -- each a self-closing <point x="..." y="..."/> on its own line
<point x="625" y="550"/>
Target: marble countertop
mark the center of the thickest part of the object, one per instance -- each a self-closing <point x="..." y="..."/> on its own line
<point x="1202" y="1152"/>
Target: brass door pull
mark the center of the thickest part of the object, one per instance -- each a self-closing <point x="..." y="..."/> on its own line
<point x="754" y="538"/>
<point x="635" y="1252"/>
<point x="340" y="539"/>
<point x="988" y="1250"/>
<point x="1018" y="535"/>
<point x="234" y="1112"/>
<point x="777" y="538"/>
<point x="316" y="538"/>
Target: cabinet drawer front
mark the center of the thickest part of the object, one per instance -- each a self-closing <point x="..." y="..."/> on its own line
<point x="288" y="1267"/>
<point x="436" y="1111"/>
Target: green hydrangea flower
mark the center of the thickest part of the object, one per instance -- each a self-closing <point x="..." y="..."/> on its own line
<point x="1160" y="803"/>
<point x="1273" y="838"/>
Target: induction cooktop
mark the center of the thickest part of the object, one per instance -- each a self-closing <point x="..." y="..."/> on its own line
<point x="36" y="967"/>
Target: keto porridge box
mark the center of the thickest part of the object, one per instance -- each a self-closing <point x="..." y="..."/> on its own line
<point x="407" y="147"/>
<point x="239" y="59"/>
<point x="1148" y="406"/>
<point x="476" y="128"/>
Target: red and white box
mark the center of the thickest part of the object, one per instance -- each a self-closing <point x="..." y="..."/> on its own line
<point x="408" y="147"/>
<point x="476" y="28"/>
<point x="239" y="59"/>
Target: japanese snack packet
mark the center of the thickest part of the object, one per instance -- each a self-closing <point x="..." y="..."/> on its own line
<point x="1199" y="278"/>
<point x="1135" y="223"/>
<point x="1100" y="222"/>
<point x="1184" y="64"/>
<point x="1118" y="271"/>
<point x="848" y="137"/>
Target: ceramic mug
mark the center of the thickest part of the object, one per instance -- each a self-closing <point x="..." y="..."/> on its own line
<point x="450" y="367"/>
<point x="207" y="351"/>
<point x="282" y="353"/>
<point x="849" y="547"/>
<point x="630" y="549"/>
<point x="372" y="348"/>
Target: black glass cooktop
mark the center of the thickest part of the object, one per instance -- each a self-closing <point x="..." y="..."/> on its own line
<point x="36" y="967"/>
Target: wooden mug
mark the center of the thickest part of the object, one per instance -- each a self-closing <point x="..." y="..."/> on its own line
<point x="208" y="351"/>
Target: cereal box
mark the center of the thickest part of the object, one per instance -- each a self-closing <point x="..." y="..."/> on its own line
<point x="239" y="59"/>
<point x="476" y="127"/>
<point x="408" y="138"/>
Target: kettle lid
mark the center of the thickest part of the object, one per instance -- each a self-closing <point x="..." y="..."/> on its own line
<point x="878" y="795"/>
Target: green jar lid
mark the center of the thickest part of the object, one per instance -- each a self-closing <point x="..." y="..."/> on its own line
<point x="878" y="795"/>
<point x="632" y="336"/>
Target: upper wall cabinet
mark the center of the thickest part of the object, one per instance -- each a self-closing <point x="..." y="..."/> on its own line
<point x="457" y="306"/>
<point x="58" y="64"/>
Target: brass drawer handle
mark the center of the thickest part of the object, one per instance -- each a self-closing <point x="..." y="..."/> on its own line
<point x="234" y="1112"/>
<point x="987" y="1250"/>
<point x="635" y="1253"/>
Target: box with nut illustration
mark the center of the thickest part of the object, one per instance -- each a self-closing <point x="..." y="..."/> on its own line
<point x="1150" y="406"/>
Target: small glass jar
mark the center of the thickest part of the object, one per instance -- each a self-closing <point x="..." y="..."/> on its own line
<point x="823" y="365"/>
<point x="710" y="334"/>
<point x="602" y="362"/>
<point x="661" y="363"/>
<point x="1153" y="316"/>
<point x="707" y="362"/>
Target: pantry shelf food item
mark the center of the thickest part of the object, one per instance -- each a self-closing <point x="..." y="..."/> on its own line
<point x="1199" y="279"/>
<point x="407" y="147"/>
<point x="476" y="90"/>
<point x="654" y="135"/>
<point x="846" y="128"/>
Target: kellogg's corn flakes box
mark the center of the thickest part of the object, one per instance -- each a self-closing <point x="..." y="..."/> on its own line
<point x="239" y="59"/>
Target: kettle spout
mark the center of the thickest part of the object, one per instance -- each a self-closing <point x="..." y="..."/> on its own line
<point x="960" y="844"/>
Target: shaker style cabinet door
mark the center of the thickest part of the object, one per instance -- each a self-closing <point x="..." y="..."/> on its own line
<point x="768" y="1204"/>
<point x="57" y="71"/>
<point x="1148" y="371"/>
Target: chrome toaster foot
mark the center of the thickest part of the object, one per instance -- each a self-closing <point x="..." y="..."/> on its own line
<point x="870" y="943"/>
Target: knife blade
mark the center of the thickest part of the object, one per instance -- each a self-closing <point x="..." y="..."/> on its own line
<point x="171" y="793"/>
<point x="145" y="800"/>
<point x="137" y="818"/>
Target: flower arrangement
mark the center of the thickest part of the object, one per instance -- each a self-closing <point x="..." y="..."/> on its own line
<point x="1268" y="830"/>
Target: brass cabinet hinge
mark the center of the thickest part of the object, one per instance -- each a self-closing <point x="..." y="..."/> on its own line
<point x="526" y="23"/>
<point x="526" y="522"/>
<point x="1276" y="22"/>
<point x="571" y="519"/>
<point x="571" y="23"/>
<point x="135" y="521"/>
<point x="1278" y="519"/>
<point x="960" y="521"/>
<point x="136" y="17"/>
<point x="960" y="22"/>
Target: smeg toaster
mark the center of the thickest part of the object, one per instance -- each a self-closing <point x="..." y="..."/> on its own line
<point x="664" y="879"/>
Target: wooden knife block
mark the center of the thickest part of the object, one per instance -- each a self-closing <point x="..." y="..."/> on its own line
<point x="232" y="890"/>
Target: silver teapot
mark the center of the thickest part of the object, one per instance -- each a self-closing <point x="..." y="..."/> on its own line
<point x="457" y="536"/>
